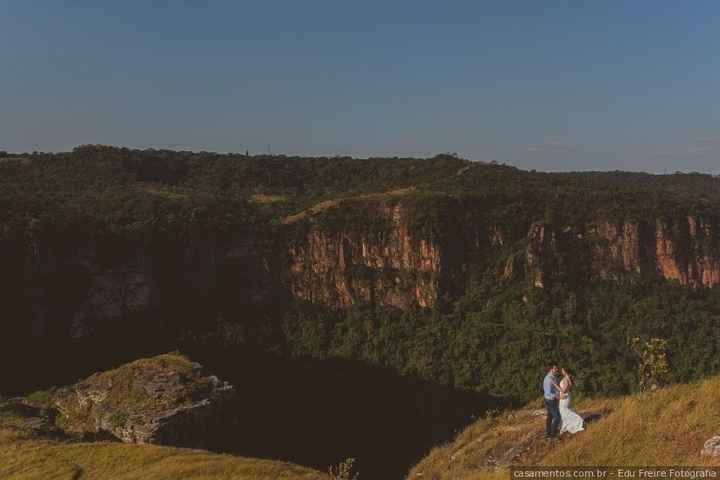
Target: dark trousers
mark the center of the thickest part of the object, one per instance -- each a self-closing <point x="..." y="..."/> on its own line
<point x="553" y="417"/>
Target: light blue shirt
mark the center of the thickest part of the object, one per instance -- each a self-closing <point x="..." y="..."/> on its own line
<point x="549" y="387"/>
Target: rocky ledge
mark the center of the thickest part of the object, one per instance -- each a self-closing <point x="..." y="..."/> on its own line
<point x="166" y="400"/>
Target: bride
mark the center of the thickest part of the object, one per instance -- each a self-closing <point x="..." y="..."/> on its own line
<point x="571" y="421"/>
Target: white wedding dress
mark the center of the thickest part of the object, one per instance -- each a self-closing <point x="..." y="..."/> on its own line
<point x="571" y="421"/>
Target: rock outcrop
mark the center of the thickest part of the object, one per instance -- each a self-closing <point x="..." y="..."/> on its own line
<point x="341" y="268"/>
<point x="73" y="289"/>
<point x="403" y="267"/>
<point x="165" y="400"/>
<point x="685" y="250"/>
<point x="620" y="244"/>
<point x="336" y="258"/>
<point x="393" y="260"/>
<point x="32" y="446"/>
<point x="711" y="447"/>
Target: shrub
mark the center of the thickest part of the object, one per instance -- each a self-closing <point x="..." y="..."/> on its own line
<point x="344" y="470"/>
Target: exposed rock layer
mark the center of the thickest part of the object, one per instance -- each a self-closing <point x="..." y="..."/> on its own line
<point x="686" y="250"/>
<point x="344" y="268"/>
<point x="392" y="260"/>
<point x="164" y="400"/>
<point x="341" y="268"/>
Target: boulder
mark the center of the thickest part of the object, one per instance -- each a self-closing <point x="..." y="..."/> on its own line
<point x="711" y="446"/>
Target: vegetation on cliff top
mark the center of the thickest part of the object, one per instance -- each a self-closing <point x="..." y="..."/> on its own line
<point x="666" y="427"/>
<point x="150" y="384"/>
<point x="134" y="192"/>
<point x="131" y="400"/>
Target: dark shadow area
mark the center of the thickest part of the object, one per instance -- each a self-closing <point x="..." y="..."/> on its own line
<point x="307" y="411"/>
<point x="320" y="412"/>
<point x="42" y="362"/>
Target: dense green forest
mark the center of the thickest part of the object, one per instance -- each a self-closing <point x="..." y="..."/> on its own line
<point x="495" y="338"/>
<point x="500" y="342"/>
<point x="125" y="190"/>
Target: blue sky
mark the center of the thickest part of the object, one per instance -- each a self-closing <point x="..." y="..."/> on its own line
<point x="551" y="85"/>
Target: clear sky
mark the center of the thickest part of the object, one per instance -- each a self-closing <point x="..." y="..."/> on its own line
<point x="551" y="85"/>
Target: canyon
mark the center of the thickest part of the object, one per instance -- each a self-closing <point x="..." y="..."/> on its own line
<point x="394" y="265"/>
<point x="408" y="297"/>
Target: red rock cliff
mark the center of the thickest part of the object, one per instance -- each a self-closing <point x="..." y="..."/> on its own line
<point x="686" y="250"/>
<point x="389" y="262"/>
<point x="395" y="267"/>
<point x="407" y="263"/>
<point x="403" y="268"/>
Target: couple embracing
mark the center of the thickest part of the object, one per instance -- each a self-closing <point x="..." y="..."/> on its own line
<point x="557" y="403"/>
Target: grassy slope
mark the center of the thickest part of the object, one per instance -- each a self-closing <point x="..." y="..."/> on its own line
<point x="665" y="427"/>
<point x="25" y="454"/>
<point x="27" y="458"/>
<point x="319" y="207"/>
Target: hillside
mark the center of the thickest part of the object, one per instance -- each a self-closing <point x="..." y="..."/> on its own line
<point x="666" y="427"/>
<point x="27" y="458"/>
<point x="357" y="258"/>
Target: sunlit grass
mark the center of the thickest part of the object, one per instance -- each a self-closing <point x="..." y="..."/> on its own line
<point x="165" y="191"/>
<point x="265" y="198"/>
<point x="319" y="207"/>
<point x="25" y="458"/>
<point x="666" y="427"/>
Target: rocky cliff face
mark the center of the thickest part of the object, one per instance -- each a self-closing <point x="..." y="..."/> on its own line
<point x="402" y="265"/>
<point x="72" y="289"/>
<point x="390" y="260"/>
<point x="686" y="250"/>
<point x="344" y="268"/>
<point x="166" y="400"/>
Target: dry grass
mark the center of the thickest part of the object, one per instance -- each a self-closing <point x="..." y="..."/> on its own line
<point x="665" y="427"/>
<point x="25" y="458"/>
<point x="164" y="191"/>
<point x="263" y="198"/>
<point x="315" y="209"/>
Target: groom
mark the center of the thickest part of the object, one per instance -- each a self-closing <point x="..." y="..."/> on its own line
<point x="552" y="402"/>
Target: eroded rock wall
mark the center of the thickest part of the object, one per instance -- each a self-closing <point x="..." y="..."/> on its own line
<point x="402" y="265"/>
<point x="391" y="261"/>
<point x="686" y="250"/>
